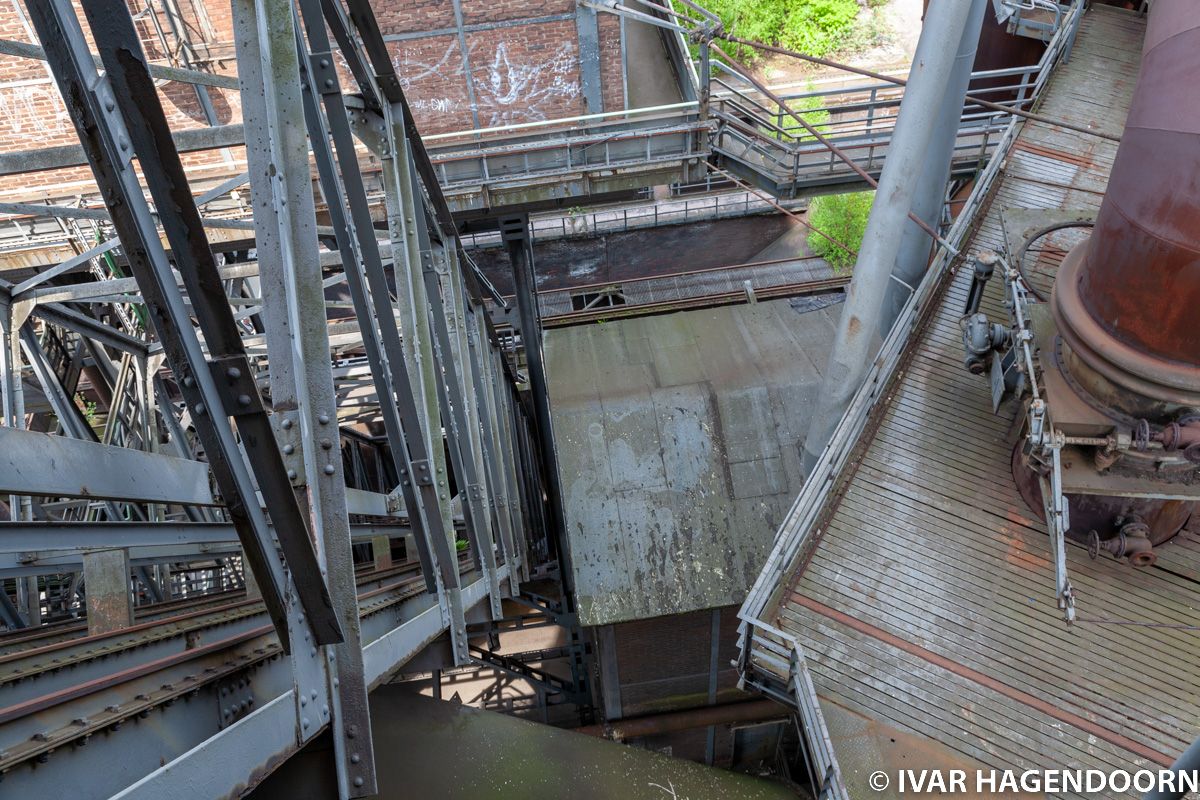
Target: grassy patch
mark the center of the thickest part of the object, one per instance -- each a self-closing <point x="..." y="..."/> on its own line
<point x="844" y="218"/>
<point x="811" y="109"/>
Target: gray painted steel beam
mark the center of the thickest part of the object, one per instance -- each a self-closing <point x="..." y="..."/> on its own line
<point x="301" y="376"/>
<point x="912" y="255"/>
<point x="190" y="140"/>
<point x="56" y="466"/>
<point x="857" y="338"/>
<point x="48" y="537"/>
<point x="587" y="28"/>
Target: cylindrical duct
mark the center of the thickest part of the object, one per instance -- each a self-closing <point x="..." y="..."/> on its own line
<point x="1127" y="301"/>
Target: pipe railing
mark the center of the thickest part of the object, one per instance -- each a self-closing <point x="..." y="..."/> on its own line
<point x="798" y="534"/>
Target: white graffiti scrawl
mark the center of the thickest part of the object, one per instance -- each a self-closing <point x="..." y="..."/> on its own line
<point x="33" y="110"/>
<point x="510" y="91"/>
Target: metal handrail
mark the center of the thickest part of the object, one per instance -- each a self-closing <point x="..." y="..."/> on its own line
<point x="570" y="122"/>
<point x="795" y="536"/>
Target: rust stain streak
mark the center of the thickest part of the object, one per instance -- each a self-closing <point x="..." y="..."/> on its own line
<point x="1058" y="155"/>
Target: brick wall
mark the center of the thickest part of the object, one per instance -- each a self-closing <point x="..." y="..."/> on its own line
<point x="663" y="662"/>
<point x="520" y="62"/>
<point x="34" y="115"/>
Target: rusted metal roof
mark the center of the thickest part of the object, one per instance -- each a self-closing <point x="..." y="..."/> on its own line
<point x="928" y="604"/>
<point x="678" y="440"/>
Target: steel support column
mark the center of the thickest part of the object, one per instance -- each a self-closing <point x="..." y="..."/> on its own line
<point x="912" y="256"/>
<point x="587" y="28"/>
<point x="377" y="321"/>
<point x="301" y="374"/>
<point x="857" y="338"/>
<point x="216" y="389"/>
<point x="515" y="232"/>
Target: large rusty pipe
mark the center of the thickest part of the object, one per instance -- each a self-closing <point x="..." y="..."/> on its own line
<point x="1127" y="300"/>
<point x="669" y="722"/>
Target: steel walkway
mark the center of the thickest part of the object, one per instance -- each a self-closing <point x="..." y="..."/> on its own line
<point x="926" y="604"/>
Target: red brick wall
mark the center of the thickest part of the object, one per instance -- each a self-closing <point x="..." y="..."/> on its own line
<point x="524" y="70"/>
<point x="526" y="73"/>
<point x="663" y="662"/>
<point x="35" y="117"/>
<point x="611" y="81"/>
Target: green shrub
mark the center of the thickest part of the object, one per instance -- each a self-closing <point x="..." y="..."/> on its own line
<point x="816" y="27"/>
<point x="819" y="27"/>
<point x="842" y="217"/>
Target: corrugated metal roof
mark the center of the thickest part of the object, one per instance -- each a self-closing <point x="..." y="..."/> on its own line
<point x="678" y="440"/>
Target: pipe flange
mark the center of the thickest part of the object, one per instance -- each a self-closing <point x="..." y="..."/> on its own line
<point x="1145" y="375"/>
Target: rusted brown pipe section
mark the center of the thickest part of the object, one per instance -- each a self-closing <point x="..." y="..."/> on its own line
<point x="1128" y="300"/>
<point x="652" y="725"/>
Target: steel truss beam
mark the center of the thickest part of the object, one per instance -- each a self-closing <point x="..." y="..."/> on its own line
<point x="99" y="107"/>
<point x="445" y="391"/>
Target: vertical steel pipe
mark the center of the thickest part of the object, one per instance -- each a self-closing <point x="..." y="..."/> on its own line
<point x="912" y="257"/>
<point x="857" y="338"/>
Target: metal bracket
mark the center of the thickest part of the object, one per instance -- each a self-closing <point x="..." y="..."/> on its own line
<point x="395" y="501"/>
<point x="324" y="73"/>
<point x="235" y="700"/>
<point x="235" y="385"/>
<point x="291" y="446"/>
<point x="427" y="262"/>
<point x="422" y="473"/>
<point x="107" y="106"/>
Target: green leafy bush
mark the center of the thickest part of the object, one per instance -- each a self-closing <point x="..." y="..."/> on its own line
<point x="816" y="27"/>
<point x="842" y="217"/>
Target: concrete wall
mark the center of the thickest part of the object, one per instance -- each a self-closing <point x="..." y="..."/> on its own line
<point x="678" y="440"/>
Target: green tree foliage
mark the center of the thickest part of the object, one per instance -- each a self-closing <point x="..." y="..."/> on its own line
<point x="842" y="217"/>
<point x="816" y="27"/>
